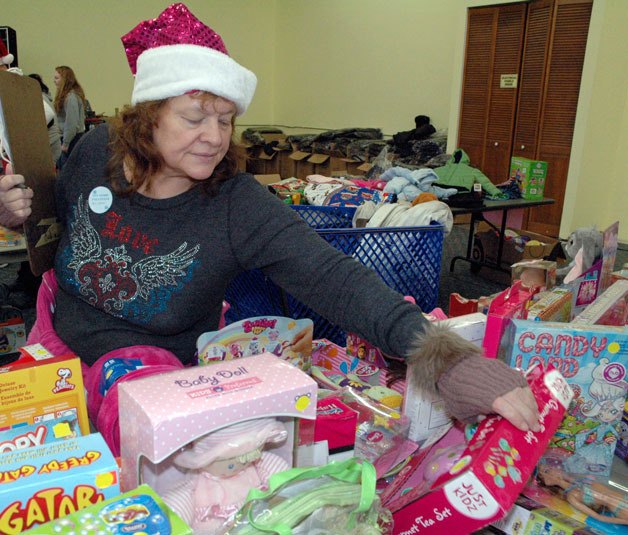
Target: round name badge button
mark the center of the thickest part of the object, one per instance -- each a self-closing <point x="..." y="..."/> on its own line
<point x="100" y="199"/>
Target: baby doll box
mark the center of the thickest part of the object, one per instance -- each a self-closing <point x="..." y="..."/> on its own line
<point x="46" y="482"/>
<point x="162" y="413"/>
<point x="140" y="510"/>
<point x="33" y="391"/>
<point x="491" y="472"/>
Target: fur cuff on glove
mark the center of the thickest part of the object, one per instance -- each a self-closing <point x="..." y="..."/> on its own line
<point x="435" y="351"/>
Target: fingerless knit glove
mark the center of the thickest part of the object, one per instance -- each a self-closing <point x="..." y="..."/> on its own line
<point x="454" y="368"/>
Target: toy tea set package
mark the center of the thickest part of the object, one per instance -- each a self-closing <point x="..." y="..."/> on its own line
<point x="593" y="360"/>
<point x="487" y="473"/>
<point x="138" y="511"/>
<point x="46" y="482"/>
<point x="223" y="430"/>
<point x="286" y="338"/>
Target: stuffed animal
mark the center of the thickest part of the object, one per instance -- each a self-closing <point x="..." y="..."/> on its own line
<point x="590" y="241"/>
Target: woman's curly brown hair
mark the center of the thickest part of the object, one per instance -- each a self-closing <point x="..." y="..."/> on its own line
<point x="131" y="143"/>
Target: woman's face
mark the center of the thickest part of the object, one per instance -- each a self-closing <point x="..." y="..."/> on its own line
<point x="192" y="135"/>
<point x="57" y="79"/>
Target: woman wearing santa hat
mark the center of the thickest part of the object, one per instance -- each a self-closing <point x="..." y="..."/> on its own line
<point x="158" y="222"/>
<point x="69" y="104"/>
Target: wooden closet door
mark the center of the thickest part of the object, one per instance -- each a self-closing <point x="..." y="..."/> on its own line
<point x="532" y="80"/>
<point x="487" y="114"/>
<point x="558" y="104"/>
<point x="501" y="110"/>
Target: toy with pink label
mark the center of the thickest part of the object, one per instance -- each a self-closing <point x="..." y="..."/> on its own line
<point x="593" y="359"/>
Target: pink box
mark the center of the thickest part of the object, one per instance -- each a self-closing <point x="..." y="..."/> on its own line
<point x="162" y="413"/>
<point x="509" y="304"/>
<point x="336" y="423"/>
<point x="491" y="472"/>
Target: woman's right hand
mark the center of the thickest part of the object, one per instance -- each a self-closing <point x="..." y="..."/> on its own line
<point x="15" y="199"/>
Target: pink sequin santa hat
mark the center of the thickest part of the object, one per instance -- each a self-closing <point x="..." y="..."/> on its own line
<point x="232" y="441"/>
<point x="176" y="53"/>
<point x="5" y="57"/>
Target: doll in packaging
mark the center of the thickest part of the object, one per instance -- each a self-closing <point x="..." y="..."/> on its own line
<point x="588" y="495"/>
<point x="221" y="468"/>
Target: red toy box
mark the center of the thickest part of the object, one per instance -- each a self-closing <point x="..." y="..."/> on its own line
<point x="491" y="472"/>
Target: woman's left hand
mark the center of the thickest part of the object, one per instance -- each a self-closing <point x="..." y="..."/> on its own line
<point x="519" y="407"/>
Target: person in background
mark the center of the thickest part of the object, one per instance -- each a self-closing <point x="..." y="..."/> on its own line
<point x="45" y="91"/>
<point x="54" y="134"/>
<point x="157" y="222"/>
<point x="69" y="104"/>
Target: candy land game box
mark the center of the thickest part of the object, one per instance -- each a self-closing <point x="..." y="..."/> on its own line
<point x="593" y="359"/>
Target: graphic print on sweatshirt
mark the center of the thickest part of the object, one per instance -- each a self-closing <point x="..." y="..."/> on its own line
<point x="112" y="281"/>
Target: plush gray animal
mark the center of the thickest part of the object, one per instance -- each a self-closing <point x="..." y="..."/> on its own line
<point x="591" y="242"/>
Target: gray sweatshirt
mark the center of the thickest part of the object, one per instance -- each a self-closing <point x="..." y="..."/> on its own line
<point x="71" y="118"/>
<point x="135" y="270"/>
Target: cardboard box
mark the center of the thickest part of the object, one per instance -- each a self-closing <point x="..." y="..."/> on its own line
<point x="553" y="305"/>
<point x="34" y="391"/>
<point x="528" y="247"/>
<point x="242" y="154"/>
<point x="530" y="176"/>
<point x="321" y="164"/>
<point x="537" y="273"/>
<point x="200" y="400"/>
<point x="490" y="473"/>
<point x="138" y="511"/>
<point x="267" y="180"/>
<point x="46" y="482"/>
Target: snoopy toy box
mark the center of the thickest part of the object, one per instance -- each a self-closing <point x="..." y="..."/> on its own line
<point x="42" y="483"/>
<point x="32" y="392"/>
<point x="490" y="471"/>
<point x="162" y="414"/>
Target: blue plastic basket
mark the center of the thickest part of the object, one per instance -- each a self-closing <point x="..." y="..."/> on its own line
<point x="406" y="258"/>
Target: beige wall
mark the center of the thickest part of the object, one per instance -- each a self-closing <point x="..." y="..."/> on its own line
<point x="327" y="64"/>
<point x="85" y="34"/>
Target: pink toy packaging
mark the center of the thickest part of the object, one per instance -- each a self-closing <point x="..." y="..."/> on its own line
<point x="488" y="473"/>
<point x="509" y="304"/>
<point x="593" y="360"/>
<point x="224" y="430"/>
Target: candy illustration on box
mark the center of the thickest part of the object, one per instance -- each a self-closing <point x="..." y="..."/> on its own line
<point x="287" y="338"/>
